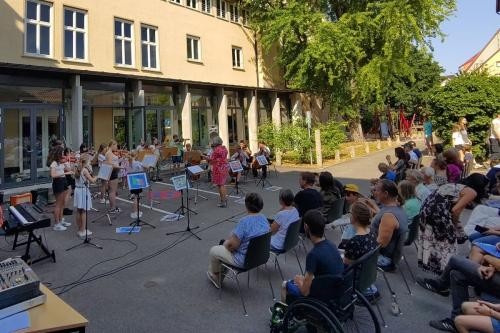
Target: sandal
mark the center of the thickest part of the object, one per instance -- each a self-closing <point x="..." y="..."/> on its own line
<point x="213" y="280"/>
<point x="446" y="325"/>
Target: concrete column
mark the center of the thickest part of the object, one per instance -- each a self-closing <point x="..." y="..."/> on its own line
<point x="296" y="107"/>
<point x="222" y="115"/>
<point x="253" y="130"/>
<point x="276" y="115"/>
<point x="187" y="124"/>
<point x="138" y="93"/>
<point x="77" y="112"/>
<point x="240" y="124"/>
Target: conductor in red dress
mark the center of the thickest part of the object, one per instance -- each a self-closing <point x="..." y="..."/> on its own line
<point x="220" y="168"/>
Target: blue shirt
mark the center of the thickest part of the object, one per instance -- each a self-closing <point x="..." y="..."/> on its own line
<point x="248" y="227"/>
<point x="390" y="175"/>
<point x="427" y="128"/>
<point x="324" y="259"/>
<point x="283" y="218"/>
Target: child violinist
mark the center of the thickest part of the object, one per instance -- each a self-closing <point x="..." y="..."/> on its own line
<point x="82" y="199"/>
<point x="135" y="166"/>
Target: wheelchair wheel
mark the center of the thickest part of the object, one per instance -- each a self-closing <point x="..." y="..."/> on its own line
<point x="359" y="317"/>
<point x="310" y="316"/>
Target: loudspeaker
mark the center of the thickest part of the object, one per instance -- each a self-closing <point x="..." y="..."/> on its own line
<point x="40" y="196"/>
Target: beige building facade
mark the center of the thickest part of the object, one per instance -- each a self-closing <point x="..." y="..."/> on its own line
<point x="90" y="71"/>
<point x="488" y="59"/>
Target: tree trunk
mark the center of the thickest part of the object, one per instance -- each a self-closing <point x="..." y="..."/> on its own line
<point x="356" y="131"/>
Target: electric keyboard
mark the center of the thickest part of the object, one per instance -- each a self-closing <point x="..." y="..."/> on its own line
<point x="27" y="213"/>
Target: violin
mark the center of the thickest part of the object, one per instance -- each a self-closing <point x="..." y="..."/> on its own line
<point x="122" y="153"/>
<point x="71" y="158"/>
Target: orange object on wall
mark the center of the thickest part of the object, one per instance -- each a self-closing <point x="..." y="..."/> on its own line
<point x="20" y="198"/>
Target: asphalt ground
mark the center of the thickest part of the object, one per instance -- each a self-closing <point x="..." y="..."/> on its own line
<point x="151" y="282"/>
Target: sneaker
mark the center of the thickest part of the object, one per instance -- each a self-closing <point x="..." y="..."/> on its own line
<point x="114" y="211"/>
<point x="59" y="227"/>
<point x="212" y="279"/>
<point x="133" y="215"/>
<point x="67" y="211"/>
<point x="433" y="285"/>
<point x="81" y="234"/>
<point x="102" y="201"/>
<point x="222" y="204"/>
<point x="446" y="325"/>
<point x="66" y="224"/>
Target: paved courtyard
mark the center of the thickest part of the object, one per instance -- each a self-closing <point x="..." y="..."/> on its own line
<point x="150" y="282"/>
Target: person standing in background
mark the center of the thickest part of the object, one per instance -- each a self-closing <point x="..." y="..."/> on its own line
<point x="495" y="136"/>
<point x="428" y="135"/>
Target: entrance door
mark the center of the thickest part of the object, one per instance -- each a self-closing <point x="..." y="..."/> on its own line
<point x="25" y="136"/>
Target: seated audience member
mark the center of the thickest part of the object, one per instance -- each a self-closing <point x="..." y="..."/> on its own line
<point x="487" y="245"/>
<point x="234" y="249"/>
<point x="363" y="241"/>
<point x="417" y="179"/>
<point x="438" y="151"/>
<point x="323" y="259"/>
<point x="458" y="275"/>
<point x="410" y="203"/>
<point x="492" y="174"/>
<point x="480" y="316"/>
<point x="439" y="166"/>
<point x="308" y="198"/>
<point x="386" y="172"/>
<point x="483" y="216"/>
<point x="454" y="166"/>
<point x="328" y="191"/>
<point x="390" y="223"/>
<point x="401" y="164"/>
<point x="413" y="156"/>
<point x="415" y="149"/>
<point x="440" y="227"/>
<point x="429" y="174"/>
<point x="286" y="216"/>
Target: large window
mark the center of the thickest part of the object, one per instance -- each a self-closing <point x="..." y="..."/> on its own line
<point x="149" y="46"/>
<point x="75" y="34"/>
<point x="221" y="8"/>
<point x="176" y="1"/>
<point x="206" y="6"/>
<point x="38" y="28"/>
<point x="244" y="16"/>
<point x="191" y="3"/>
<point x="234" y="13"/>
<point x="193" y="48"/>
<point x="124" y="53"/>
<point x="237" y="57"/>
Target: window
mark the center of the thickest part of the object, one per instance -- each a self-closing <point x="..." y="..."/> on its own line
<point x="149" y="47"/>
<point x="234" y="13"/>
<point x="123" y="43"/>
<point x="176" y="1"/>
<point x="38" y="28"/>
<point x="237" y="57"/>
<point x="75" y="34"/>
<point x="244" y="16"/>
<point x="191" y="3"/>
<point x="221" y="8"/>
<point x="193" y="48"/>
<point x="498" y="63"/>
<point x="206" y="6"/>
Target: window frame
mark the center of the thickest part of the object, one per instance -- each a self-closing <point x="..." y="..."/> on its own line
<point x="149" y="44"/>
<point x="208" y="5"/>
<point x="237" y="50"/>
<point x="234" y="13"/>
<point x="74" y="30"/>
<point x="178" y="2"/>
<point x="123" y="39"/>
<point x="190" y="2"/>
<point x="38" y="23"/>
<point x="223" y="4"/>
<point x="190" y="38"/>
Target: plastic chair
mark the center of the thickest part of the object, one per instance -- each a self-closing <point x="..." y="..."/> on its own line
<point x="291" y="241"/>
<point x="410" y="239"/>
<point x="336" y="211"/>
<point x="258" y="253"/>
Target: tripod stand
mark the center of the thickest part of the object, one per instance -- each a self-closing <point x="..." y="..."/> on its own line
<point x="183" y="208"/>
<point x="86" y="240"/>
<point x="138" y="222"/>
<point x="263" y="179"/>
<point x="188" y="211"/>
<point x="236" y="189"/>
<point x="105" y="210"/>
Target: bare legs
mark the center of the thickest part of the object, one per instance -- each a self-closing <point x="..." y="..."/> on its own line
<point x="113" y="186"/>
<point x="222" y="195"/>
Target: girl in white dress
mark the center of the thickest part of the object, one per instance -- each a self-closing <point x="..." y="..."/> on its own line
<point x="82" y="199"/>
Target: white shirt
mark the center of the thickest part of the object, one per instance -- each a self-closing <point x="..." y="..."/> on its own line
<point x="413" y="156"/>
<point x="59" y="169"/>
<point x="495" y="125"/>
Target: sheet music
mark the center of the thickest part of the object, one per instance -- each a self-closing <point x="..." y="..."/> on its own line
<point x="195" y="169"/>
<point x="105" y="171"/>
<point x="235" y="166"/>
<point x="150" y="161"/>
<point x="261" y="159"/>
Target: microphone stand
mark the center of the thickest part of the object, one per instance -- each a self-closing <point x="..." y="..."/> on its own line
<point x="188" y="211"/>
<point x="87" y="240"/>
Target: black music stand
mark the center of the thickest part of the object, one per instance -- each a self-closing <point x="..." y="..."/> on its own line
<point x="86" y="241"/>
<point x="181" y="184"/>
<point x="262" y="160"/>
<point x="136" y="182"/>
<point x="237" y="168"/>
<point x="188" y="211"/>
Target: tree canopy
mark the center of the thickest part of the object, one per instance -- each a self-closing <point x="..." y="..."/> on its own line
<point x="474" y="96"/>
<point x="344" y="50"/>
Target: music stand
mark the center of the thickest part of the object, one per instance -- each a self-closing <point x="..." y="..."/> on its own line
<point x="181" y="184"/>
<point x="104" y="173"/>
<point x="262" y="160"/>
<point x="148" y="162"/>
<point x="138" y="181"/>
<point x="184" y="184"/>
<point x="196" y="170"/>
<point x="86" y="241"/>
<point x="237" y="168"/>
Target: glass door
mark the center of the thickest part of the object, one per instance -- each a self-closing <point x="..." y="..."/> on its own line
<point x="48" y="127"/>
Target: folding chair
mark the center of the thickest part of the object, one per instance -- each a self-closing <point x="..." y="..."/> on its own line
<point x="291" y="242"/>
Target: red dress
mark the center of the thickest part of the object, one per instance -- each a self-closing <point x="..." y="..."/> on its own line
<point x="220" y="167"/>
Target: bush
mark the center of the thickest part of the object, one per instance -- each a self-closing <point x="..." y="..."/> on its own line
<point x="332" y="135"/>
<point x="473" y="96"/>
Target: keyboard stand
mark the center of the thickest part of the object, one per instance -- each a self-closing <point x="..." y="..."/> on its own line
<point x="38" y="239"/>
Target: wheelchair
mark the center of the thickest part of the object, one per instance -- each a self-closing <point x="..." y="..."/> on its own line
<point x="333" y="306"/>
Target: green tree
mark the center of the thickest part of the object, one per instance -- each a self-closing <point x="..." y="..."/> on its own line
<point x="346" y="51"/>
<point x="473" y="96"/>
